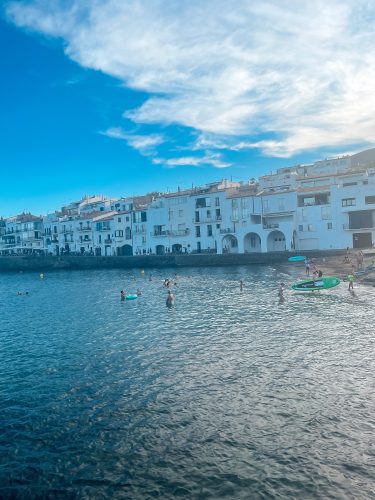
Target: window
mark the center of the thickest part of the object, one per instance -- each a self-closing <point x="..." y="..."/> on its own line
<point x="369" y="200"/>
<point x="329" y="225"/>
<point x="310" y="227"/>
<point x="119" y="233"/>
<point x="209" y="230"/>
<point x="346" y="184"/>
<point x="326" y="213"/>
<point x="265" y="206"/>
<point x="180" y="213"/>
<point x="119" y="219"/>
<point x="281" y="202"/>
<point x="348" y="202"/>
<point x="208" y="214"/>
<point x="217" y="201"/>
<point x="217" y="226"/>
<point x="197" y="231"/>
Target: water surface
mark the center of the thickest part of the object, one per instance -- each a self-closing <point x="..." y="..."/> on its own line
<point x="227" y="395"/>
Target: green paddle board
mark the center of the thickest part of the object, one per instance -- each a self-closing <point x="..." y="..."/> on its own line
<point x="318" y="284"/>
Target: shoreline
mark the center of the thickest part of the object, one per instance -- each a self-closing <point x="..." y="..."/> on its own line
<point x="329" y="261"/>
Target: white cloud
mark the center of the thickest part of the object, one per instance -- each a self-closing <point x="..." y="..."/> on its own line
<point x="303" y="72"/>
<point x="192" y="161"/>
<point x="143" y="143"/>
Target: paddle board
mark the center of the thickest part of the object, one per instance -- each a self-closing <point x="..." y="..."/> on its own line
<point x="318" y="284"/>
<point x="296" y="258"/>
<point x="131" y="296"/>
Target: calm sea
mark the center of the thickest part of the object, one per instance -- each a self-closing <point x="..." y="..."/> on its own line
<point x="227" y="395"/>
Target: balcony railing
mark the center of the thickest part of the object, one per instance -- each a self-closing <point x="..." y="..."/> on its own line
<point x="108" y="241"/>
<point x="169" y="233"/>
<point x="85" y="228"/>
<point x="208" y="220"/>
<point x="347" y="227"/>
<point x="271" y="226"/>
<point x="226" y="231"/>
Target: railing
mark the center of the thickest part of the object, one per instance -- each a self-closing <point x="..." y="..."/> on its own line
<point x="181" y="232"/>
<point x="63" y="231"/>
<point x="86" y="228"/>
<point x="208" y="220"/>
<point x="226" y="231"/>
<point x="347" y="227"/>
<point x="85" y="240"/>
<point x="108" y="241"/>
<point x="234" y="218"/>
<point x="270" y="226"/>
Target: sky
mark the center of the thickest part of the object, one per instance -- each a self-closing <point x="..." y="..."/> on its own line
<point x="122" y="97"/>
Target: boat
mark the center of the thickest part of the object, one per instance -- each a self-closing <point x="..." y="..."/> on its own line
<point x="322" y="283"/>
<point x="296" y="258"/>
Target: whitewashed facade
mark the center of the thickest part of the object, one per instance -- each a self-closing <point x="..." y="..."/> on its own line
<point x="329" y="204"/>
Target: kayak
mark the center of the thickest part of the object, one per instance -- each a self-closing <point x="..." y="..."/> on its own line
<point x="131" y="296"/>
<point x="296" y="258"/>
<point x="317" y="284"/>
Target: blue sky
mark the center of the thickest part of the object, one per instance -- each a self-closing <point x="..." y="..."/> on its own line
<point x="121" y="98"/>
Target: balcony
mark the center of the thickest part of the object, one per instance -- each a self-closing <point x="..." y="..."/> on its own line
<point x="271" y="226"/>
<point x="208" y="220"/>
<point x="226" y="231"/>
<point x="346" y="227"/>
<point x="85" y="228"/>
<point x="108" y="241"/>
<point x="65" y="231"/>
<point x="167" y="234"/>
<point x="88" y="240"/>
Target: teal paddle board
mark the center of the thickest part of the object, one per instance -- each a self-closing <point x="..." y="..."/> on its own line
<point x="131" y="296"/>
<point x="296" y="258"/>
<point x="318" y="284"/>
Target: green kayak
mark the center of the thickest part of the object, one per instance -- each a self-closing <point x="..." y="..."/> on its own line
<point x="318" y="284"/>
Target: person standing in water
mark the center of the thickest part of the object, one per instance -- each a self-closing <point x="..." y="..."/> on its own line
<point x="170" y="299"/>
<point x="241" y="285"/>
<point x="351" y="280"/>
<point x="122" y="295"/>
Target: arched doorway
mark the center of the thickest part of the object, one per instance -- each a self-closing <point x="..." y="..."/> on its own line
<point x="276" y="242"/>
<point x="160" y="249"/>
<point x="252" y="243"/>
<point x="125" y="250"/>
<point x="230" y="244"/>
<point x="176" y="248"/>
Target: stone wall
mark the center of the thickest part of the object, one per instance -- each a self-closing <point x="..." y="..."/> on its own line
<point x="149" y="261"/>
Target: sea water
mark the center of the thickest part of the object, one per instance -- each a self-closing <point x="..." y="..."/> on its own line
<point x="229" y="394"/>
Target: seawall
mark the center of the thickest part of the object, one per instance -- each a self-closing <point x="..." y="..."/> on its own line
<point x="71" y="262"/>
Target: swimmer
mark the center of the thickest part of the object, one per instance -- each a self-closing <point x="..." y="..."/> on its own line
<point x="138" y="292"/>
<point x="170" y="299"/>
<point x="122" y="295"/>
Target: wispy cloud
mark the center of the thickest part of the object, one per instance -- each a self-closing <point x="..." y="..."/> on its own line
<point x="213" y="160"/>
<point x="301" y="71"/>
<point x="145" y="144"/>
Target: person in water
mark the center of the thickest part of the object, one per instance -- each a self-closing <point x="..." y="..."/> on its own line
<point x="241" y="285"/>
<point x="170" y="299"/>
<point x="351" y="280"/>
<point x="138" y="292"/>
<point x="122" y="295"/>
